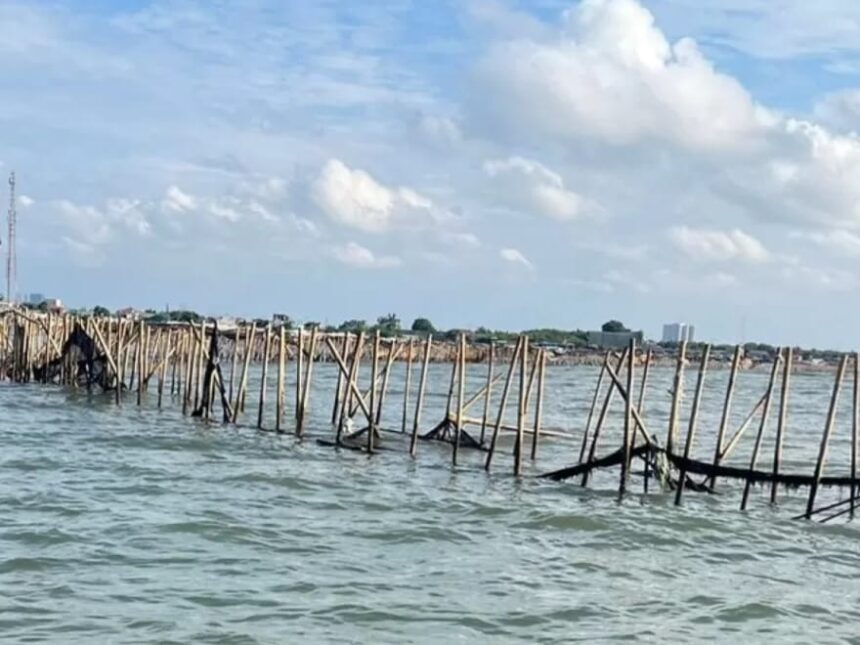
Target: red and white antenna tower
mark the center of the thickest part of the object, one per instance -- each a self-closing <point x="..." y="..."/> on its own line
<point x="11" y="260"/>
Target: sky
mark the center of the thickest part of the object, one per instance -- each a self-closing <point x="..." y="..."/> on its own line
<point x="500" y="163"/>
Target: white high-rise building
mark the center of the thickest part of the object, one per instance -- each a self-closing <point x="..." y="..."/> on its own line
<point x="676" y="332"/>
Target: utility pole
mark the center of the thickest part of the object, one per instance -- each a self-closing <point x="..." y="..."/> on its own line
<point x="11" y="259"/>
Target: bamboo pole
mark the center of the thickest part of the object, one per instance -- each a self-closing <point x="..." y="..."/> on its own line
<point x="198" y="378"/>
<point x="279" y="403"/>
<point x="163" y="374"/>
<point x="677" y="393"/>
<point x="691" y="430"/>
<point x="855" y="425"/>
<point x="512" y="367"/>
<point x="488" y="390"/>
<point x="628" y="420"/>
<point x="643" y="388"/>
<point x="139" y="361"/>
<point x="371" y="428"/>
<point x="233" y="360"/>
<point x="521" y="412"/>
<point x="386" y="374"/>
<point x="306" y="389"/>
<point x="538" y="404"/>
<point x="422" y="386"/>
<point x="189" y="374"/>
<point x="300" y="357"/>
<point x="761" y="428"/>
<point x="243" y="382"/>
<point x="352" y="375"/>
<point x="339" y="387"/>
<point x="601" y="419"/>
<point x="407" y="386"/>
<point x="593" y="407"/>
<point x="264" y="376"/>
<point x="825" y="438"/>
<point x="727" y="407"/>
<point x="461" y="395"/>
<point x="781" y="424"/>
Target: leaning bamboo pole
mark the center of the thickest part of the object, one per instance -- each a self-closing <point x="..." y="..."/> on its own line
<point x="761" y="428"/>
<point x="677" y="393"/>
<point x="503" y="403"/>
<point x="597" y="390"/>
<point x="243" y="381"/>
<point x="825" y="438"/>
<point x="781" y="424"/>
<point x="422" y="387"/>
<point x="306" y="388"/>
<point x="628" y="420"/>
<point x="691" y="430"/>
<point x="263" y="378"/>
<point x="407" y="385"/>
<point x="727" y="407"/>
<point x="521" y="411"/>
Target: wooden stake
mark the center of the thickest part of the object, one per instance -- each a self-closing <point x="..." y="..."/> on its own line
<point x="727" y="408"/>
<point x="300" y="357"/>
<point x="628" y="420"/>
<point x="263" y="378"/>
<point x="512" y="367"/>
<point x="762" y="426"/>
<point x="250" y="339"/>
<point x="461" y="395"/>
<point x="677" y="393"/>
<point x="374" y="370"/>
<point x="855" y="423"/>
<point x="407" y="386"/>
<point x="279" y="404"/>
<point x="601" y="419"/>
<point x="825" y="438"/>
<point x="538" y="404"/>
<point x="422" y="386"/>
<point x="593" y="407"/>
<point x="691" y="430"/>
<point x="306" y="388"/>
<point x="783" y="414"/>
<point x="521" y="412"/>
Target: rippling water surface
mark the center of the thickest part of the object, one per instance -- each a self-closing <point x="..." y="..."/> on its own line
<point x="138" y="525"/>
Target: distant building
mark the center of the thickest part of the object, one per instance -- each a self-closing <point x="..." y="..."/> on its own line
<point x="129" y="313"/>
<point x="614" y="339"/>
<point x="35" y="298"/>
<point x="676" y="332"/>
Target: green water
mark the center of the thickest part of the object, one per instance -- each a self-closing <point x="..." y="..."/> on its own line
<point x="135" y="525"/>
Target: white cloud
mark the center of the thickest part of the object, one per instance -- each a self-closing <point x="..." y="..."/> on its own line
<point x="440" y="131"/>
<point x="359" y="257"/>
<point x="840" y="109"/>
<point x="178" y="201"/>
<point x="838" y="241"/>
<point x="531" y="186"/>
<point x="516" y="257"/>
<point x="720" y="246"/>
<point x="353" y="198"/>
<point x="613" y="76"/>
<point x="26" y="201"/>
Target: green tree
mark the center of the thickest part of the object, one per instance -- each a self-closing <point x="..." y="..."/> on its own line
<point x="100" y="312"/>
<point x="388" y="325"/>
<point x="352" y="326"/>
<point x="614" y="326"/>
<point x="423" y="326"/>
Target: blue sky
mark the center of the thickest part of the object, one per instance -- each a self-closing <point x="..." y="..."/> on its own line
<point x="510" y="164"/>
